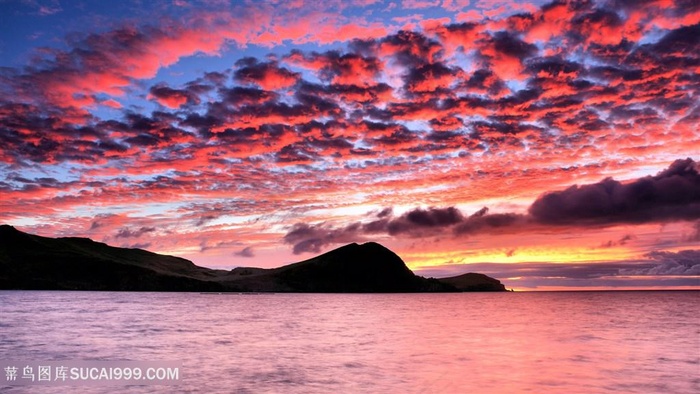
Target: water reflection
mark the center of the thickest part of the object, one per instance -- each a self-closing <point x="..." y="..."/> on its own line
<point x="417" y="343"/>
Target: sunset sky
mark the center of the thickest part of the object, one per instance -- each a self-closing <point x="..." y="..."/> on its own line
<point x="548" y="144"/>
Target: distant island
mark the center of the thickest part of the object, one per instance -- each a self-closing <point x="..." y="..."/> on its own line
<point x="31" y="262"/>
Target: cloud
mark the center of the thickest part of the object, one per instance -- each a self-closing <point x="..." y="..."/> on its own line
<point x="400" y="77"/>
<point x="312" y="238"/>
<point x="505" y="53"/>
<point x="145" y="245"/>
<point x="137" y="233"/>
<point x="419" y="218"/>
<point x="570" y="271"/>
<point x="416" y="4"/>
<point x="173" y="98"/>
<point x="107" y="63"/>
<point x="685" y="262"/>
<point x="430" y="78"/>
<point x="618" y="274"/>
<point x="455" y="5"/>
<point x="267" y="75"/>
<point x="508" y="222"/>
<point x="246" y="252"/>
<point x="621" y="242"/>
<point x="695" y="236"/>
<point x="409" y="48"/>
<point x="389" y="211"/>
<point x="339" y="68"/>
<point x="672" y="194"/>
<point x="419" y="222"/>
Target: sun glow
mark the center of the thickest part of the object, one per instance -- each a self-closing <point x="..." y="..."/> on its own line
<point x="522" y="255"/>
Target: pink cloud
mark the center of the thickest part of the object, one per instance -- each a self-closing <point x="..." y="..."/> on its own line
<point x="112" y="103"/>
<point x="469" y="16"/>
<point x="455" y="5"/>
<point x="417" y="4"/>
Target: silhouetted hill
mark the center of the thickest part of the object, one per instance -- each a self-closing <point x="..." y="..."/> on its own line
<point x="353" y="268"/>
<point x="33" y="262"/>
<point x="474" y="282"/>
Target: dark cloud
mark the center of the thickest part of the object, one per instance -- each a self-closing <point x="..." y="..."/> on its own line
<point x="339" y="68"/>
<point x="509" y="44"/>
<point x="310" y="107"/>
<point x="678" y="41"/>
<point x="591" y="20"/>
<point x="157" y="130"/>
<point x="677" y="50"/>
<point x="622" y="241"/>
<point x="245" y="252"/>
<point x="203" y="213"/>
<point x="673" y="194"/>
<point x="312" y="245"/>
<point x="419" y="222"/>
<point x="311" y="239"/>
<point x="318" y="103"/>
<point x="389" y="211"/>
<point x="129" y="233"/>
<point x="142" y="245"/>
<point x="612" y="53"/>
<point x="402" y="136"/>
<point x="412" y="49"/>
<point x="28" y="132"/>
<point x="586" y="120"/>
<point x="501" y="127"/>
<point x="238" y="96"/>
<point x="685" y="262"/>
<point x="329" y="144"/>
<point x="175" y="98"/>
<point x="633" y="113"/>
<point x="484" y="80"/>
<point x="268" y="75"/>
<point x="296" y="153"/>
<point x="490" y="223"/>
<point x="420" y="218"/>
<point x="47" y="183"/>
<point x="552" y="66"/>
<point x="615" y="74"/>
<point x="429" y="78"/>
<point x="215" y="77"/>
<point x="349" y="93"/>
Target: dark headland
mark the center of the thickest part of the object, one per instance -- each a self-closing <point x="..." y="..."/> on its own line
<point x="31" y="262"/>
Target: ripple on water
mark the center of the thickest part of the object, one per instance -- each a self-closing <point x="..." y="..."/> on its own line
<point x="417" y="343"/>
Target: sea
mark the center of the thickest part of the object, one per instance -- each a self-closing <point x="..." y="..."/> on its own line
<point x="510" y="342"/>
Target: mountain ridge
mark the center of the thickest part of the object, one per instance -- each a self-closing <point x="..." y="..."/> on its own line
<point x="32" y="262"/>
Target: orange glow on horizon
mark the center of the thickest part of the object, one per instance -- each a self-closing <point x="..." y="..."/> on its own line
<point x="603" y="288"/>
<point x="521" y="255"/>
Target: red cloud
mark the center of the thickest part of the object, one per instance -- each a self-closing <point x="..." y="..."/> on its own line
<point x="266" y="75"/>
<point x="341" y="69"/>
<point x="112" y="103"/>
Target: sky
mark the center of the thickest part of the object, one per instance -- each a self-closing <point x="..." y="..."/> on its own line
<point x="552" y="145"/>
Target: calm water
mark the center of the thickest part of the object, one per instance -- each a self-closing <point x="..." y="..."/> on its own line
<point x="599" y="342"/>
